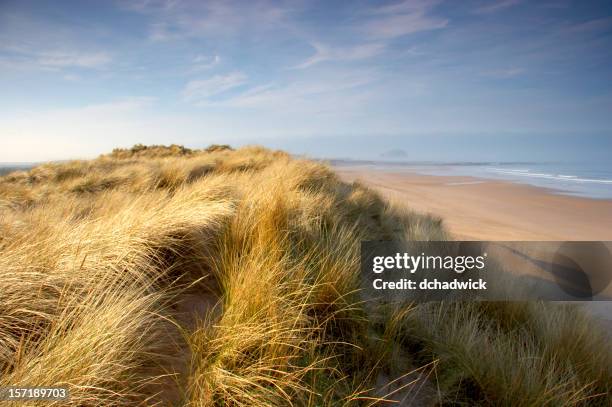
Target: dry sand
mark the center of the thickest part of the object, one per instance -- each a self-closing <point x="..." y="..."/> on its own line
<point x="481" y="209"/>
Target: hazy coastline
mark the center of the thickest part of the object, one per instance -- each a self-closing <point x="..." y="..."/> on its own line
<point x="6" y="168"/>
<point x="586" y="180"/>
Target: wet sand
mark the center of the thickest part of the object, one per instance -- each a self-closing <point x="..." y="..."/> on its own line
<point x="481" y="209"/>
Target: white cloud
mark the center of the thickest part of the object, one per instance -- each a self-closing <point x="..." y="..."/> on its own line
<point x="182" y="19"/>
<point x="505" y="73"/>
<point x="161" y="31"/>
<point x="403" y="18"/>
<point x="72" y="59"/>
<point x="71" y="77"/>
<point x="599" y="24"/>
<point x="27" y="42"/>
<point x="328" y="93"/>
<point x="119" y="106"/>
<point x="404" y="24"/>
<point x="203" y="62"/>
<point x="405" y="6"/>
<point x="145" y="5"/>
<point x="24" y="58"/>
<point x="496" y="6"/>
<point x="202" y="90"/>
<point x="325" y="53"/>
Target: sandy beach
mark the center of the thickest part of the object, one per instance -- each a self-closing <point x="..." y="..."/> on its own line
<point x="482" y="209"/>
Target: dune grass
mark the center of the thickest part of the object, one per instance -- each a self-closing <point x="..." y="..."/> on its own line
<point x="220" y="277"/>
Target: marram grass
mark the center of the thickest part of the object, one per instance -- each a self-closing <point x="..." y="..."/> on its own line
<point x="170" y="276"/>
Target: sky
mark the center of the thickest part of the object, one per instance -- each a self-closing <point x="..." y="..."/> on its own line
<point x="443" y="80"/>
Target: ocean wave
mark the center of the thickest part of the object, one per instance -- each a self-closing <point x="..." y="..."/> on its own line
<point x="557" y="177"/>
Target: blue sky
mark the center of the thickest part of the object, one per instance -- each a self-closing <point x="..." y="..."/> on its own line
<point x="79" y="78"/>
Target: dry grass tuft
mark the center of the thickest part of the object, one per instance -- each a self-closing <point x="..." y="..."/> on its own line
<point x="165" y="275"/>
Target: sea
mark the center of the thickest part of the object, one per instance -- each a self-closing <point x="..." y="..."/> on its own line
<point x="588" y="180"/>
<point x="5" y="168"/>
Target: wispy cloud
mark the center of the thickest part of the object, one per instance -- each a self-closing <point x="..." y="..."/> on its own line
<point x="27" y="42"/>
<point x="327" y="53"/>
<point x="61" y="59"/>
<point x="493" y="7"/>
<point x="505" y="73"/>
<point x="55" y="60"/>
<point x="403" y="18"/>
<point x="305" y="95"/>
<point x="181" y="19"/>
<point x="200" y="91"/>
<point x="148" y="5"/>
<point x="203" y="62"/>
<point x="594" y="25"/>
<point x="71" y="77"/>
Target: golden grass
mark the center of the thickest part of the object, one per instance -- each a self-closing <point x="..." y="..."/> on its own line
<point x="163" y="275"/>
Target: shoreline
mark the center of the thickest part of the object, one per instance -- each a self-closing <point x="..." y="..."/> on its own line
<point x="486" y="209"/>
<point x="571" y="179"/>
